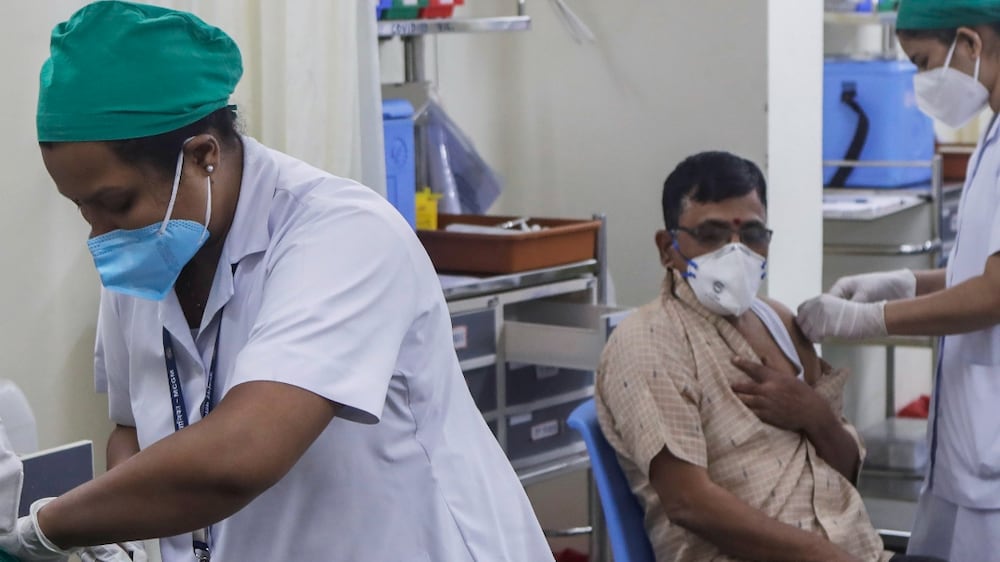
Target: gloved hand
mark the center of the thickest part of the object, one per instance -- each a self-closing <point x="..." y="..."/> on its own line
<point x="122" y="552"/>
<point x="874" y="287"/>
<point x="828" y="316"/>
<point x="28" y="543"/>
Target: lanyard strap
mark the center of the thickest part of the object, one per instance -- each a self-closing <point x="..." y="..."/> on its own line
<point x="199" y="539"/>
<point x="181" y="419"/>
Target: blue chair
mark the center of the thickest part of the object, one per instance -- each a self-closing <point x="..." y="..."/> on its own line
<point x="622" y="513"/>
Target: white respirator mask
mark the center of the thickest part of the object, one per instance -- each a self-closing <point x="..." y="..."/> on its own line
<point x="726" y="281"/>
<point x="950" y="95"/>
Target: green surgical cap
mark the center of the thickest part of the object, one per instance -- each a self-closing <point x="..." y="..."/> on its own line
<point x="118" y="70"/>
<point x="946" y="14"/>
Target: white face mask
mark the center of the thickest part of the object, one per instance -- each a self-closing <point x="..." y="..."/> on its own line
<point x="726" y="280"/>
<point x="949" y="95"/>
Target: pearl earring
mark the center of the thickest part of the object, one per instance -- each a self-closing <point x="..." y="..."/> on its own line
<point x="210" y="168"/>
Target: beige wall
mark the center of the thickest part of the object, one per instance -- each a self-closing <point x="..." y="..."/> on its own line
<point x="48" y="289"/>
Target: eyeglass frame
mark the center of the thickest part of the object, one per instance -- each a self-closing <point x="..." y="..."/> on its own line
<point x="692" y="232"/>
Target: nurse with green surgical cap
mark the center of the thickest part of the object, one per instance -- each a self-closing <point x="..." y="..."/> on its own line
<point x="273" y="340"/>
<point x="955" y="45"/>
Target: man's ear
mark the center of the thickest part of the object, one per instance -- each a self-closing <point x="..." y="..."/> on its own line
<point x="664" y="245"/>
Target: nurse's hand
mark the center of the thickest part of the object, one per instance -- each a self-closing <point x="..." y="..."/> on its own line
<point x="27" y="543"/>
<point x="874" y="287"/>
<point x="125" y="552"/>
<point x="827" y="316"/>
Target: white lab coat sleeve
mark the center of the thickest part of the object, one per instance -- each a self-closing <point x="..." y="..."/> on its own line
<point x="111" y="372"/>
<point x="336" y="305"/>
<point x="994" y="240"/>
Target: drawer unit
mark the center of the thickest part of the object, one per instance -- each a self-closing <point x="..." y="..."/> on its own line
<point x="560" y="334"/>
<point x="483" y="386"/>
<point x="474" y="333"/>
<point x="530" y="383"/>
<point x="537" y="436"/>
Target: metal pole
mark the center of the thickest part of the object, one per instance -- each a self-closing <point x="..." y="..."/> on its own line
<point x="937" y="195"/>
<point x="890" y="381"/>
<point x="599" y="547"/>
<point x="413" y="58"/>
<point x="603" y="275"/>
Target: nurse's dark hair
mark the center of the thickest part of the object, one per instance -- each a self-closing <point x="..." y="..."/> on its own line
<point x="710" y="177"/>
<point x="159" y="152"/>
<point x="944" y="35"/>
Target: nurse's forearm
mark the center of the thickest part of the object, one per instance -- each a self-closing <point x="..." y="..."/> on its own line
<point x="966" y="307"/>
<point x="197" y="476"/>
<point x="930" y="281"/>
<point x="123" y="443"/>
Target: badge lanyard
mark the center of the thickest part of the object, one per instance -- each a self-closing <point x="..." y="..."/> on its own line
<point x="200" y="538"/>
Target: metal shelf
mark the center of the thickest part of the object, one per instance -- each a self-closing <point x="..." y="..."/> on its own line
<point x="411" y="28"/>
<point x="859" y="18"/>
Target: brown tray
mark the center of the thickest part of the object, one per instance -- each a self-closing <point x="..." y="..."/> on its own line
<point x="563" y="241"/>
<point x="955" y="160"/>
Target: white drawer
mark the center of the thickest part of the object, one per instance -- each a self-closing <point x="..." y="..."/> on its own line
<point x="559" y="334"/>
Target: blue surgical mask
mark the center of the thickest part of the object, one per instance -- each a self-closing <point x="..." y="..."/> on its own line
<point x="146" y="262"/>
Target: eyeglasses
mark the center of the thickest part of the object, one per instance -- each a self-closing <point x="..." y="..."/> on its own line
<point x="716" y="235"/>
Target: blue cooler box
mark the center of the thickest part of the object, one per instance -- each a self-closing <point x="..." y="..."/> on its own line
<point x="898" y="130"/>
<point x="400" y="162"/>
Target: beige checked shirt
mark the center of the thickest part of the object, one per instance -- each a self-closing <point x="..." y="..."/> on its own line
<point x="664" y="381"/>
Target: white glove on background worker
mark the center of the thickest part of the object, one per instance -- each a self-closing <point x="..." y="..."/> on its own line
<point x="827" y="316"/>
<point x="28" y="543"/>
<point x="874" y="287"/>
<point x="11" y="478"/>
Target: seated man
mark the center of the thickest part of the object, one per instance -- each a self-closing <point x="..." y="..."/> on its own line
<point x="727" y="424"/>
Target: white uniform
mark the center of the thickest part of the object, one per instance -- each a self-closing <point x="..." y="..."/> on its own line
<point x="333" y="293"/>
<point x="959" y="513"/>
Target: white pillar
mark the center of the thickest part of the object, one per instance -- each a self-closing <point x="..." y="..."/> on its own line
<point x="794" y="148"/>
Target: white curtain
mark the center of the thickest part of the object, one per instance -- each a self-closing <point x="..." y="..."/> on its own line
<point x="310" y="84"/>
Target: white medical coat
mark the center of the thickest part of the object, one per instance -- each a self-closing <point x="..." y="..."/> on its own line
<point x="333" y="293"/>
<point x="967" y="456"/>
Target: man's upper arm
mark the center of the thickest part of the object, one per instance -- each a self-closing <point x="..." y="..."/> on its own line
<point x="829" y="383"/>
<point x="648" y="399"/>
<point x="677" y="483"/>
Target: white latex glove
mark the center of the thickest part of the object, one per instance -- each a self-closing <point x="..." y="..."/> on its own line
<point x="122" y="552"/>
<point x="827" y="316"/>
<point x="874" y="287"/>
<point x="28" y="543"/>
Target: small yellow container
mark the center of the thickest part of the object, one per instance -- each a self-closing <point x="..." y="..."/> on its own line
<point x="427" y="209"/>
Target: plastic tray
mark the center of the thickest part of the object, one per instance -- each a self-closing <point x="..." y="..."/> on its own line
<point x="561" y="242"/>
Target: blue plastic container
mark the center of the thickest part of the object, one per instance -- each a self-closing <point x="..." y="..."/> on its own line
<point x="400" y="163"/>
<point x="898" y="130"/>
